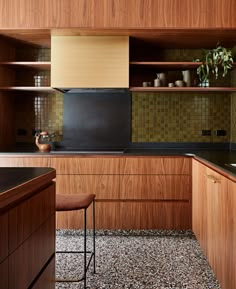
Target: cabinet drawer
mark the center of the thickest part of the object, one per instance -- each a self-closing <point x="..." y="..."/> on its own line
<point x="155" y="215"/>
<point x="86" y="165"/>
<point x="155" y="165"/>
<point x="29" y="215"/>
<point x="149" y="187"/>
<point x="104" y="186"/>
<point x="4" y="237"/>
<point x="29" y="258"/>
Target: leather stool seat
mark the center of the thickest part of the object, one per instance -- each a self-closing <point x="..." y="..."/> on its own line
<point x="72" y="202"/>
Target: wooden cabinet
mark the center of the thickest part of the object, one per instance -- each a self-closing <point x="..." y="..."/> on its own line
<point x="214" y="223"/>
<point x="90" y="62"/>
<point x="131" y="192"/>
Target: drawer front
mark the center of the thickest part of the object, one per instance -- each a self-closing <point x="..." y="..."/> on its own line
<point x="29" y="215"/>
<point x="155" y="215"/>
<point x="86" y="165"/>
<point x="104" y="186"/>
<point x="28" y="259"/>
<point x="155" y="165"/>
<point x="151" y="187"/>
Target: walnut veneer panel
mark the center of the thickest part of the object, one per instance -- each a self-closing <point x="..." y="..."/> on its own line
<point x="90" y="61"/>
<point x="214" y="221"/>
<point x="27" y="261"/>
<point x="107" y="217"/>
<point x="4" y="236"/>
<point x="117" y="13"/>
<point x="85" y="165"/>
<point x="104" y="186"/>
<point x="155" y="215"/>
<point x="156" y="165"/>
<point x="24" y="162"/>
<point x="4" y="274"/>
<point x="29" y="215"/>
<point x="7" y="125"/>
<point x="150" y="187"/>
<point x="47" y="278"/>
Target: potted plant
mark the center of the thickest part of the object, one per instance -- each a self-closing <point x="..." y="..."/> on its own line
<point x="214" y="61"/>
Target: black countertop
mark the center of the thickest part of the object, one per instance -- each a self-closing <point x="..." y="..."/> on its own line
<point x="13" y="177"/>
<point x="219" y="158"/>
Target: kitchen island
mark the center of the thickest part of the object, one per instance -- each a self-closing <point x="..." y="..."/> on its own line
<point x="27" y="225"/>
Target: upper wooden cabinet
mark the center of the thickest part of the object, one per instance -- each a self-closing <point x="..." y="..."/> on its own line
<point x="90" y="62"/>
<point x="117" y="14"/>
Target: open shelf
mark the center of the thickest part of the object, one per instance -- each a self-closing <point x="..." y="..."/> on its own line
<point x="189" y="89"/>
<point x="44" y="65"/>
<point x="29" y="88"/>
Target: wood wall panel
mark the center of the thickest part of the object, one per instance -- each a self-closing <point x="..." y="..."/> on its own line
<point x="86" y="165"/>
<point x="4" y="237"/>
<point x="7" y="125"/>
<point x="117" y="14"/>
<point x="156" y="165"/>
<point x="105" y="187"/>
<point x="159" y="187"/>
<point x="155" y="215"/>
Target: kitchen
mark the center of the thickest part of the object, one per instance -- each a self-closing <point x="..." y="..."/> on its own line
<point x="165" y="125"/>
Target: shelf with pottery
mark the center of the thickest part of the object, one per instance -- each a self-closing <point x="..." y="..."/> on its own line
<point x="187" y="89"/>
<point x="173" y="66"/>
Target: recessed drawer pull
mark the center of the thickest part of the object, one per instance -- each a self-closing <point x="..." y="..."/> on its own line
<point x="212" y="178"/>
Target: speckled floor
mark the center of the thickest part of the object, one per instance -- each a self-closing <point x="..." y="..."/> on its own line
<point x="137" y="260"/>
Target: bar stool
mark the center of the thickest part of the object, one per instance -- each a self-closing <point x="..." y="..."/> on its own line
<point x="71" y="202"/>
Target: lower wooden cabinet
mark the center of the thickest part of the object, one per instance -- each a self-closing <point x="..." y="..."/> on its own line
<point x="214" y="221"/>
<point x="132" y="192"/>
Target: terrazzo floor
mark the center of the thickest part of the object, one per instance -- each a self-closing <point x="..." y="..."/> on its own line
<point x="137" y="260"/>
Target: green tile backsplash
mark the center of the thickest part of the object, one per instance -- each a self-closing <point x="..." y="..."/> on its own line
<point x="179" y="117"/>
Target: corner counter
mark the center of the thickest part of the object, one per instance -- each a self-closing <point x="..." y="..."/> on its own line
<point x="27" y="225"/>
